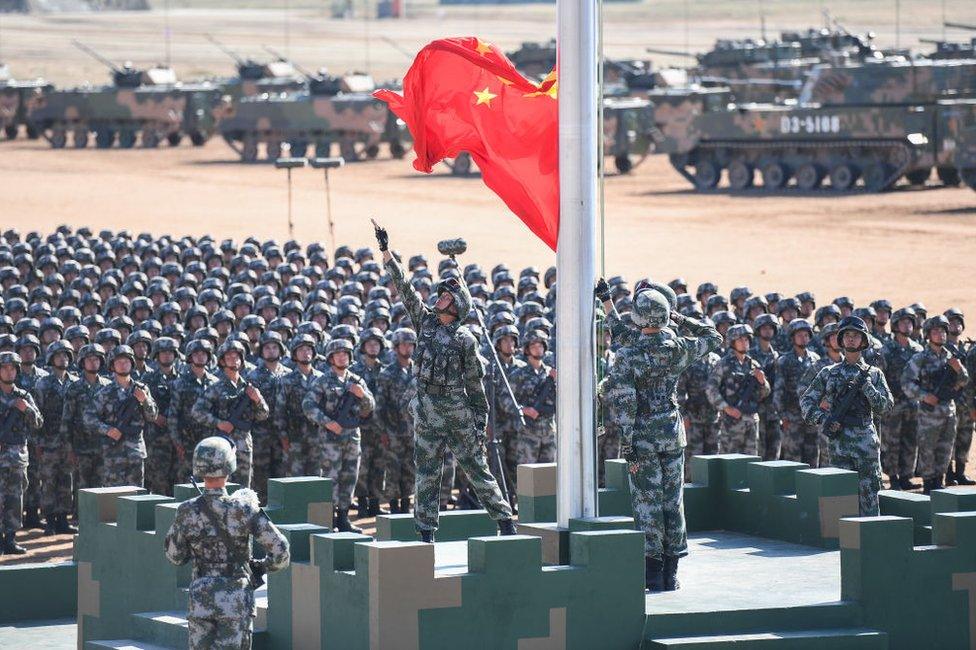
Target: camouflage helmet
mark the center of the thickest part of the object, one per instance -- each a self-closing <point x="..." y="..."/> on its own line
<point x="91" y="350"/>
<point x="214" y="457"/>
<point x="828" y="330"/>
<point x="505" y="330"/>
<point x="799" y="325"/>
<point x="663" y="289"/>
<point x="740" y="292"/>
<point x="338" y="345"/>
<point x="28" y="341"/>
<point x="164" y="344"/>
<point x="825" y="311"/>
<point x="372" y="334"/>
<point x="902" y="314"/>
<point x="934" y="322"/>
<point x="59" y="346"/>
<point x="854" y="324"/>
<point x="787" y="303"/>
<point x="536" y="336"/>
<point x="231" y="346"/>
<point x="122" y="351"/>
<point x="298" y="341"/>
<point x="762" y="320"/>
<point x="955" y="312"/>
<point x="738" y="331"/>
<point x="200" y="345"/>
<point x="272" y="338"/>
<point x="77" y="332"/>
<point x="139" y="336"/>
<point x="11" y="358"/>
<point x="651" y="309"/>
<point x="723" y="317"/>
<point x="462" y="298"/>
<point x="404" y="335"/>
<point x="705" y="287"/>
<point x="864" y="313"/>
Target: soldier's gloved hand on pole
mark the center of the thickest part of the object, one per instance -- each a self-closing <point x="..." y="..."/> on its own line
<point x="602" y="290"/>
<point x="382" y="238"/>
<point x="627" y="453"/>
<point x="677" y="318"/>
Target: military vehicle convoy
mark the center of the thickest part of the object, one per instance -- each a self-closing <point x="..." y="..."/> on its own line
<point x="148" y="106"/>
<point x="255" y="78"/>
<point x="16" y="98"/>
<point x="873" y="123"/>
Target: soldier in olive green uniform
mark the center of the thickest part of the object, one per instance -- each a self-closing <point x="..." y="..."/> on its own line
<point x="19" y="416"/>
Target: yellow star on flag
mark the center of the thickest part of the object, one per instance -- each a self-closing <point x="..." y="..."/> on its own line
<point x="483" y="48"/>
<point x="484" y="96"/>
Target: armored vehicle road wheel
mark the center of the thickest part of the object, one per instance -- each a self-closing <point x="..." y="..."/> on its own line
<point x="397" y="150"/>
<point x="462" y="164"/>
<point x="104" y="138"/>
<point x="623" y="163"/>
<point x="174" y="139"/>
<point x="707" y="174"/>
<point x="32" y="132"/>
<point x="80" y="137"/>
<point x="843" y="176"/>
<point x="918" y="176"/>
<point x="198" y="138"/>
<point x="127" y="138"/>
<point x="347" y="149"/>
<point x="323" y="148"/>
<point x="775" y="175"/>
<point x="150" y="139"/>
<point x="272" y="149"/>
<point x="249" y="149"/>
<point x="948" y="176"/>
<point x="809" y="177"/>
<point x="968" y="176"/>
<point x="741" y="175"/>
<point x="10" y="131"/>
<point x="372" y="151"/>
<point x="59" y="137"/>
<point x="877" y="177"/>
<point x="299" y="148"/>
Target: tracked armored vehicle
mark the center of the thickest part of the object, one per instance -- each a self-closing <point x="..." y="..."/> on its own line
<point x="278" y="75"/>
<point x="17" y="96"/>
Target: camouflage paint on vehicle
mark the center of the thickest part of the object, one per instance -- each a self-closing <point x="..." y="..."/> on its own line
<point x="874" y="122"/>
<point x="16" y="98"/>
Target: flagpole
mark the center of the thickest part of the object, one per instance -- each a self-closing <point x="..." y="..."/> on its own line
<point x="576" y="258"/>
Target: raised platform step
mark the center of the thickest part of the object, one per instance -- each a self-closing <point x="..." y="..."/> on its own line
<point x="168" y="629"/>
<point x="843" y="639"/>
<point x="840" y="614"/>
<point x="122" y="644"/>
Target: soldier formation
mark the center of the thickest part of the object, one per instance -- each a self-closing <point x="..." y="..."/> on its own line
<point x="128" y="350"/>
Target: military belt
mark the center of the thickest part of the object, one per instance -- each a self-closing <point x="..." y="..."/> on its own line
<point x="856" y="421"/>
<point x="437" y="390"/>
<point x="221" y="570"/>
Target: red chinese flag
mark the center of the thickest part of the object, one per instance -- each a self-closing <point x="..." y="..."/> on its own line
<point x="463" y="94"/>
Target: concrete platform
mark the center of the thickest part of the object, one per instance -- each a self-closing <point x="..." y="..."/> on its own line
<point x="44" y="635"/>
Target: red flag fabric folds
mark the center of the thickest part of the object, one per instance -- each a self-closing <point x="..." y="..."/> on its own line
<point x="463" y="94"/>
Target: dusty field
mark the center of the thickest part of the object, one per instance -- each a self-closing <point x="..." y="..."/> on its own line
<point x="906" y="245"/>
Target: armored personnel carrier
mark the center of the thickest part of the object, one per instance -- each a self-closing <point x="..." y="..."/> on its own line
<point x="952" y="49"/>
<point x="872" y="123"/>
<point x="17" y="96"/>
<point x="278" y="75"/>
<point x="140" y="105"/>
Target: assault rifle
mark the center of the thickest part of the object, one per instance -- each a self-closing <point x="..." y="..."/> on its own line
<point x="255" y="568"/>
<point x="946" y="379"/>
<point x="240" y="411"/>
<point x="747" y="402"/>
<point x="128" y="418"/>
<point x="544" y="399"/>
<point x="347" y="411"/>
<point x="844" y="403"/>
<point x="12" y="427"/>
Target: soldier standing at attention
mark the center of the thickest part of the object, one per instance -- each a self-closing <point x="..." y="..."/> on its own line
<point x="369" y="485"/>
<point x="214" y="531"/>
<point x="232" y="405"/>
<point x="899" y="430"/>
<point x="267" y="443"/>
<point x="800" y="442"/>
<point x="161" y="460"/>
<point x="964" y="406"/>
<point x="85" y="442"/>
<point x="842" y="401"/>
<point x="933" y="377"/>
<point x="396" y="388"/>
<point x="54" y="448"/>
<point x="534" y="387"/>
<point x="184" y="431"/>
<point x="337" y="401"/>
<point x="735" y="387"/>
<point x="451" y="410"/>
<point x="643" y="381"/>
<point x="300" y="439"/>
<point x="19" y="416"/>
<point x="120" y="412"/>
<point x="762" y="350"/>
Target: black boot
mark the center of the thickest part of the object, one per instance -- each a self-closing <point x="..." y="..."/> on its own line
<point x="894" y="483"/>
<point x="905" y="483"/>
<point x="670" y="573"/>
<point x="938" y="482"/>
<point x="374" y="508"/>
<point x="507" y="527"/>
<point x="62" y="527"/>
<point x="961" y="478"/>
<point x="362" y="506"/>
<point x="50" y="525"/>
<point x="405" y="505"/>
<point x="927" y="485"/>
<point x="653" y="574"/>
<point x="950" y="476"/>
<point x="342" y="523"/>
<point x="32" y="519"/>
<point x="10" y="545"/>
<point x="427" y="536"/>
<point x="395" y="507"/>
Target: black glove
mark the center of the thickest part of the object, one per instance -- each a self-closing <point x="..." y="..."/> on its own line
<point x="382" y="238"/>
<point x="602" y="291"/>
<point x="628" y="453"/>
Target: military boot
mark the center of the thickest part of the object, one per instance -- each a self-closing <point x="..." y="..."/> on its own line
<point x="427" y="536"/>
<point x="950" y="476"/>
<point x="894" y="483"/>
<point x="10" y="545"/>
<point x="938" y="482"/>
<point x="927" y="485"/>
<point x="961" y="478"/>
<point x="905" y="483"/>
<point x="62" y="527"/>
<point x="395" y="507"/>
<point x="653" y="574"/>
<point x="50" y="525"/>
<point x="342" y="523"/>
<point x="405" y="505"/>
<point x="670" y="573"/>
<point x="507" y="527"/>
<point x="32" y="519"/>
<point x="362" y="506"/>
<point x="374" y="509"/>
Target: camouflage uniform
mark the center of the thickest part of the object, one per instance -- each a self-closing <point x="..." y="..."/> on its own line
<point x="537" y="439"/>
<point x="701" y="418"/>
<point x="450" y="411"/>
<point x="372" y="465"/>
<point x="726" y="386"/>
<point x="340" y="452"/>
<point x="305" y="439"/>
<point x="27" y="380"/>
<point x="184" y="429"/>
<point x="396" y="388"/>
<point x="770" y="431"/>
<point x="53" y="446"/>
<point x="85" y="442"/>
<point x="122" y="460"/>
<point x="800" y="442"/>
<point x="506" y="424"/>
<point x="856" y="446"/>
<point x="899" y="430"/>
<point x="936" y="424"/>
<point x="214" y="405"/>
<point x="14" y="459"/>
<point x="161" y="455"/>
<point x="965" y="404"/>
<point x="643" y="381"/>
<point x="823" y="443"/>
<point x="268" y="455"/>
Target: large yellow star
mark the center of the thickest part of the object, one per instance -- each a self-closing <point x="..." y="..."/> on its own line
<point x="483" y="48"/>
<point x="484" y="96"/>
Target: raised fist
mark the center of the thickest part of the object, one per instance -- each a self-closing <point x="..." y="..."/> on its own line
<point x="602" y="291"/>
<point x="382" y="238"/>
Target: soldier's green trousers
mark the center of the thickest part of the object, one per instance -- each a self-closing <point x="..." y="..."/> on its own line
<point x="657" y="498"/>
<point x="219" y="633"/>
